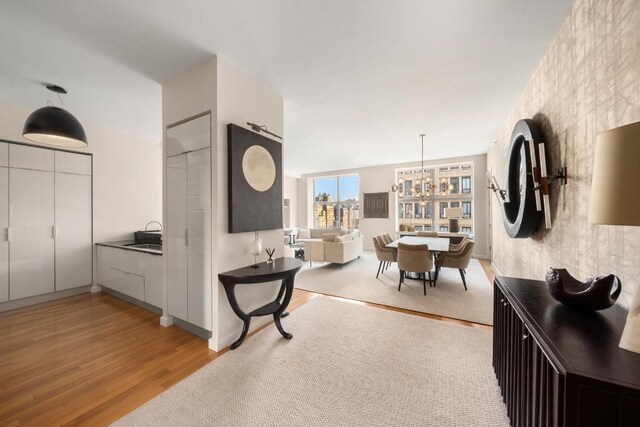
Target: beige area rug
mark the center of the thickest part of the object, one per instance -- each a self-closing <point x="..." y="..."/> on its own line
<point x="357" y="280"/>
<point x="347" y="365"/>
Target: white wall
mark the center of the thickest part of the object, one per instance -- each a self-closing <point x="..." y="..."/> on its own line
<point x="242" y="99"/>
<point x="290" y="192"/>
<point x="232" y="97"/>
<point x="379" y="179"/>
<point x="127" y="176"/>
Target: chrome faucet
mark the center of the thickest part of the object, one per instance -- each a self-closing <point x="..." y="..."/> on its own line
<point x="152" y="222"/>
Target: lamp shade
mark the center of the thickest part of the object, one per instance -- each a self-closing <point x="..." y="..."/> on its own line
<point x="453" y="212"/>
<point x="615" y="193"/>
<point x="54" y="126"/>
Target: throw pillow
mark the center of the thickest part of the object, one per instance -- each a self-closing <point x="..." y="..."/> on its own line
<point x="342" y="239"/>
<point x="349" y="237"/>
<point x="355" y="233"/>
<point x="329" y="237"/>
<point x="304" y="233"/>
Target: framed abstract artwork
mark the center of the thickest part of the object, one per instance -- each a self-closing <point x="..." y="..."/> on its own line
<point x="376" y="205"/>
<point x="255" y="181"/>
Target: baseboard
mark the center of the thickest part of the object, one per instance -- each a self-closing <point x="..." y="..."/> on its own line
<point x="95" y="289"/>
<point x="38" y="299"/>
<point x="192" y="329"/>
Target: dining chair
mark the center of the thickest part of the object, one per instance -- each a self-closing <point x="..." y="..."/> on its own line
<point x="456" y="259"/>
<point x="414" y="258"/>
<point x="385" y="255"/>
<point x="427" y="234"/>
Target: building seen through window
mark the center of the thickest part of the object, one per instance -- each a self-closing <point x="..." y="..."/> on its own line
<point x="454" y="189"/>
<point x="336" y="202"/>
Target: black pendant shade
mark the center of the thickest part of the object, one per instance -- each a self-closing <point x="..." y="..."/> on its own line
<point x="54" y="126"/>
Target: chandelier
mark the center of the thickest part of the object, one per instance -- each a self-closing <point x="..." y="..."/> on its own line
<point x="422" y="188"/>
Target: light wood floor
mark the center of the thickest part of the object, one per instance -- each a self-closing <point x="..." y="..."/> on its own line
<point x="92" y="358"/>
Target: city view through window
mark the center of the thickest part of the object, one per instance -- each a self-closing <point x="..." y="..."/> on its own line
<point x="454" y="184"/>
<point x="336" y="202"/>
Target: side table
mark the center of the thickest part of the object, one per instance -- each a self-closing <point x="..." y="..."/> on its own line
<point x="283" y="269"/>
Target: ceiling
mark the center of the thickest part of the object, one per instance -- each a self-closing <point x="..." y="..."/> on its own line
<point x="360" y="79"/>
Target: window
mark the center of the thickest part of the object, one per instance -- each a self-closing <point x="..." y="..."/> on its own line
<point x="458" y="176"/>
<point x="466" y="209"/>
<point x="408" y="207"/>
<point x="336" y="202"/>
<point x="466" y="184"/>
<point x="443" y="206"/>
<point x="418" y="228"/>
<point x="417" y="210"/>
<point x="444" y="228"/>
<point x="455" y="185"/>
<point x="466" y="229"/>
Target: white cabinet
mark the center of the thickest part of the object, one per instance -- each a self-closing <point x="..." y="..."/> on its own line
<point x="45" y="221"/>
<point x="26" y="157"/>
<point x="135" y="274"/>
<point x="153" y="280"/>
<point x="4" y="154"/>
<point x="175" y="240"/>
<point x="73" y="230"/>
<point x="188" y="236"/>
<point x="192" y="135"/>
<point x="4" y="228"/>
<point x="31" y="232"/>
<point x="72" y="163"/>
<point x="122" y="270"/>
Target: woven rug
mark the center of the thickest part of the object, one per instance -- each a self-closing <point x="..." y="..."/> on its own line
<point x="357" y="280"/>
<point x="347" y="365"/>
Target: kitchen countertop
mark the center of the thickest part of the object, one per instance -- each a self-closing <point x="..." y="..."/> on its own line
<point x="122" y="244"/>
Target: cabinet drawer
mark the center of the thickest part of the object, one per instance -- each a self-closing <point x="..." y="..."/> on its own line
<point x="125" y="283"/>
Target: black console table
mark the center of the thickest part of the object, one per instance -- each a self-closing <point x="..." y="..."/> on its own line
<point x="557" y="366"/>
<point x="284" y="269"/>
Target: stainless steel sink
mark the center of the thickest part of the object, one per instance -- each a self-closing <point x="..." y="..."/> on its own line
<point x="153" y="246"/>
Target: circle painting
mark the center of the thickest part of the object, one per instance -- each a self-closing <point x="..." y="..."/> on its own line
<point x="258" y="168"/>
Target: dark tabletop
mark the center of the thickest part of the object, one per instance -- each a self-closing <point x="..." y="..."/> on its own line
<point x="264" y="270"/>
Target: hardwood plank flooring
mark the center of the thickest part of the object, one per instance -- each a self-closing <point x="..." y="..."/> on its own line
<point x="92" y="358"/>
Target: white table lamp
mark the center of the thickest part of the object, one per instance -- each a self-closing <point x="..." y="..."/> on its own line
<point x="615" y="200"/>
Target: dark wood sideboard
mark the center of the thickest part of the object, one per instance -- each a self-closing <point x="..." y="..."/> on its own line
<point x="557" y="366"/>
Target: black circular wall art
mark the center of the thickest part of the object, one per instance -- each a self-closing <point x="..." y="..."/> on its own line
<point x="519" y="215"/>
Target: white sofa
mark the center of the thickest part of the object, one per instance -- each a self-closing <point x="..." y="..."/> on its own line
<point x="330" y="250"/>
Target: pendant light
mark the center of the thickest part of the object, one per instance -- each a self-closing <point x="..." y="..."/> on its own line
<point x="54" y="126"/>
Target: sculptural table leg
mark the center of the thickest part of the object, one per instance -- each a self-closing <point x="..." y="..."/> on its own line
<point x="287" y="288"/>
<point x="233" y="302"/>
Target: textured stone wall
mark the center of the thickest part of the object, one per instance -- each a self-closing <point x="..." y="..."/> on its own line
<point x="588" y="82"/>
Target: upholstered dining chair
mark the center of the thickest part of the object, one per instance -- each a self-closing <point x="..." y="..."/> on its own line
<point x="427" y="234"/>
<point x="385" y="255"/>
<point x="387" y="238"/>
<point x="417" y="259"/>
<point x="457" y="259"/>
<point x="457" y="247"/>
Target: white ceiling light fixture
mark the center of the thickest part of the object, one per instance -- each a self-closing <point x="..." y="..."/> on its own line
<point x="54" y="126"/>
